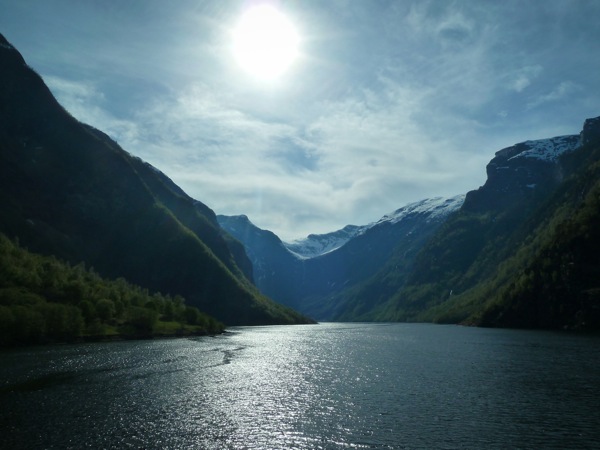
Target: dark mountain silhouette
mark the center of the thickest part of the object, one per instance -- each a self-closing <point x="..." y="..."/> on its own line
<point x="69" y="190"/>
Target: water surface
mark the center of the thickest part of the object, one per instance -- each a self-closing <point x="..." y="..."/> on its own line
<point x="328" y="386"/>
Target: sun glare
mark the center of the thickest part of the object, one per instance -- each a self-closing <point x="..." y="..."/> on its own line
<point x="265" y="42"/>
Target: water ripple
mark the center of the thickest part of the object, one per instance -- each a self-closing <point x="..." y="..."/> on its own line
<point x="334" y="386"/>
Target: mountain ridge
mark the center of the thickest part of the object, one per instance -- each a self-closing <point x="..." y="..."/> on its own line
<point x="442" y="277"/>
<point x="483" y="250"/>
<point x="315" y="245"/>
<point x="309" y="280"/>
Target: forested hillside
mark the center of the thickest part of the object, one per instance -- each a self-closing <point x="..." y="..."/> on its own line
<point x="558" y="281"/>
<point x="45" y="300"/>
<point x="531" y="262"/>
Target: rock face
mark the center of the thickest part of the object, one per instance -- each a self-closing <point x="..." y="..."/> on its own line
<point x="69" y="190"/>
<point x="591" y="131"/>
<point x="519" y="172"/>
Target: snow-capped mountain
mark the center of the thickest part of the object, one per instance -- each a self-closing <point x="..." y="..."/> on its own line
<point x="436" y="208"/>
<point x="521" y="252"/>
<point x="547" y="149"/>
<point x="318" y="244"/>
<point x="522" y="171"/>
<point x="358" y="272"/>
<point x="322" y="265"/>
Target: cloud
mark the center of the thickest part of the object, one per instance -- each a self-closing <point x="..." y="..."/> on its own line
<point x="83" y="100"/>
<point x="289" y="177"/>
<point x="390" y="103"/>
<point x="522" y="78"/>
<point x="563" y="90"/>
<point x="351" y="159"/>
<point x="455" y="29"/>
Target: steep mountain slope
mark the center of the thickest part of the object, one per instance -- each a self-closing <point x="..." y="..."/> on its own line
<point x="557" y="267"/>
<point x="277" y="271"/>
<point x="419" y="220"/>
<point x="318" y="285"/>
<point x="69" y="190"/>
<point x="45" y="300"/>
<point x="522" y="250"/>
<point x="507" y="257"/>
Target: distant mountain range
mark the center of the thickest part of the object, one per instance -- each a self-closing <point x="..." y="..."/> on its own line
<point x="70" y="191"/>
<point x="520" y="251"/>
<point x="314" y="275"/>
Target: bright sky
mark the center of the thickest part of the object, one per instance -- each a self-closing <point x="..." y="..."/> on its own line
<point x="386" y="102"/>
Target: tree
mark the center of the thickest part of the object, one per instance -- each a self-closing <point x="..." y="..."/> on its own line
<point x="105" y="309"/>
<point x="142" y="320"/>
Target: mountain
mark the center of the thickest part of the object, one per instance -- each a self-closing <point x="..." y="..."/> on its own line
<point x="415" y="224"/>
<point x="523" y="249"/>
<point x="277" y="271"/>
<point x="318" y="244"/>
<point x="69" y="190"/>
<point x="315" y="274"/>
<point x="521" y="173"/>
<point x="520" y="251"/>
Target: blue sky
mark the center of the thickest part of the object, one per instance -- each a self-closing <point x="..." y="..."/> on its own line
<point x="389" y="102"/>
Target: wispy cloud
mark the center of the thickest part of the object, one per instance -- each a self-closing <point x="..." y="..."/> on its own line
<point x="563" y="90"/>
<point x="329" y="168"/>
<point x="391" y="102"/>
<point x="87" y="103"/>
<point x="523" y="77"/>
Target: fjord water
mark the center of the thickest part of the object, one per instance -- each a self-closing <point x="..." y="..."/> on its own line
<point x="328" y="386"/>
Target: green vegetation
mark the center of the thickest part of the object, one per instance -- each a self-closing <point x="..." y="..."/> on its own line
<point x="557" y="283"/>
<point x="70" y="191"/>
<point x="45" y="300"/>
<point x="535" y="266"/>
<point x="516" y="260"/>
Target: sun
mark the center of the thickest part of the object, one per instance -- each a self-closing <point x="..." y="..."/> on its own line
<point x="265" y="42"/>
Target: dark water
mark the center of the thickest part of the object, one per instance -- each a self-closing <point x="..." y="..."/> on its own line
<point x="330" y="386"/>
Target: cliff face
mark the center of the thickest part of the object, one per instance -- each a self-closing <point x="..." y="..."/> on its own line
<point x="591" y="131"/>
<point x="526" y="171"/>
<point x="521" y="173"/>
<point x="522" y="251"/>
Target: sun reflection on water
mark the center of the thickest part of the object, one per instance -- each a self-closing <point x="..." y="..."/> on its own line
<point x="330" y="386"/>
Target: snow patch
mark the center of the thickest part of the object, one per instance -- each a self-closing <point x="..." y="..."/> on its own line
<point x="319" y="244"/>
<point x="435" y="208"/>
<point x="549" y="149"/>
